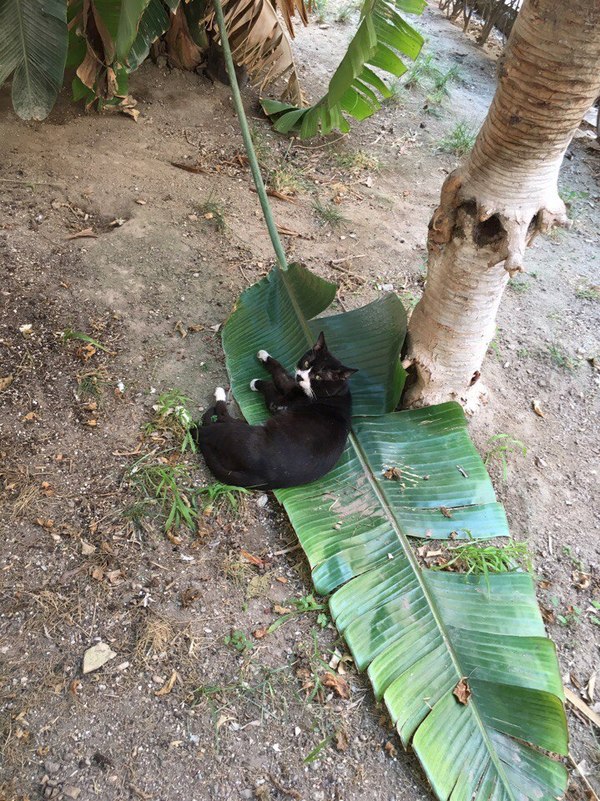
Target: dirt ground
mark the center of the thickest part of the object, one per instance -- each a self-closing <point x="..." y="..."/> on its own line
<point x="194" y="705"/>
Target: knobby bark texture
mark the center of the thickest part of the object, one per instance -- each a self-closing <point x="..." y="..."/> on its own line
<point x="492" y="206"/>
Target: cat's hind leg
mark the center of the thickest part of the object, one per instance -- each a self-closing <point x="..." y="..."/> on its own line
<point x="218" y="412"/>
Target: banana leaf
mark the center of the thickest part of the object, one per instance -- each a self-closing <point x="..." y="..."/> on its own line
<point x="355" y="89"/>
<point x="33" y="46"/>
<point x="461" y="661"/>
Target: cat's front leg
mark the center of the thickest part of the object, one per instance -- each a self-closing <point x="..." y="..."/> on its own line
<point x="283" y="381"/>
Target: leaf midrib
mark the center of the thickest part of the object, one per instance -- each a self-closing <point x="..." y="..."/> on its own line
<point x="404" y="542"/>
<point x="25" y="61"/>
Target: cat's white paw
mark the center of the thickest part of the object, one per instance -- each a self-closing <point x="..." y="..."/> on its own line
<point x="253" y="386"/>
<point x="220" y="394"/>
<point x="262" y="355"/>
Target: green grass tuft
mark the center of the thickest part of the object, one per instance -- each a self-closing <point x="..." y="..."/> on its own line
<point x="329" y="215"/>
<point x="459" y="141"/>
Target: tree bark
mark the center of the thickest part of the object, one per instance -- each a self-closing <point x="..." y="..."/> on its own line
<point x="492" y="206"/>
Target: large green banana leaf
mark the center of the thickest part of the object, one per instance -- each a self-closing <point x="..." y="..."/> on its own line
<point x="427" y="638"/>
<point x="355" y="87"/>
<point x="33" y="45"/>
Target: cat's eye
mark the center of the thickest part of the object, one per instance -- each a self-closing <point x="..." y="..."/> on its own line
<point x="318" y="378"/>
<point x="305" y="365"/>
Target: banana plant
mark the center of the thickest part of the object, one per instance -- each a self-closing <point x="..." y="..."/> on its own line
<point x="33" y="46"/>
<point x="462" y="662"/>
<point x="355" y="88"/>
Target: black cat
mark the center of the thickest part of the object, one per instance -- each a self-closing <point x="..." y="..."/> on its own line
<point x="300" y="443"/>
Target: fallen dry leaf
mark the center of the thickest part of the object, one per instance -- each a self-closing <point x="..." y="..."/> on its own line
<point x="97" y="656"/>
<point x="390" y="749"/>
<point x="462" y="691"/>
<point x="341" y="740"/>
<point x="535" y="405"/>
<point x="168" y="685"/>
<point x="92" y="422"/>
<point x="30" y="417"/>
<point x="581" y="580"/>
<point x="84" y="234"/>
<point x="281" y="610"/>
<point x="5" y="382"/>
<point x="44" y="522"/>
<point x="258" y="634"/>
<point x="180" y="328"/>
<point x="254" y="560"/>
<point x="336" y="683"/>
<point x="393" y="474"/>
<point x="446" y="512"/>
<point x="87" y="549"/>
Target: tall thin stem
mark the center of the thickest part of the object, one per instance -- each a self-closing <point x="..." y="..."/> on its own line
<point x="246" y="136"/>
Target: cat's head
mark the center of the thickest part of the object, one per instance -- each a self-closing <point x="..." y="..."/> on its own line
<point x="319" y="373"/>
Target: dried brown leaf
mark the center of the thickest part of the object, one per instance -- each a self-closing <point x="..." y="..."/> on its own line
<point x="336" y="683"/>
<point x="5" y="382"/>
<point x="535" y="405"/>
<point x="462" y="691"/>
<point x="168" y="685"/>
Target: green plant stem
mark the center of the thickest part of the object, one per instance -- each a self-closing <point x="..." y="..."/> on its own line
<point x="254" y="167"/>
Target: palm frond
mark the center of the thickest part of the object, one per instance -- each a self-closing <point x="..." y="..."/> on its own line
<point x="461" y="661"/>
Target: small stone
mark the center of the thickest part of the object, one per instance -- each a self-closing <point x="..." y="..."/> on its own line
<point x="70" y="791"/>
<point x="51" y="767"/>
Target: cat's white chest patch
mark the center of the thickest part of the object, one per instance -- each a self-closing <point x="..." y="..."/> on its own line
<point x="304" y="383"/>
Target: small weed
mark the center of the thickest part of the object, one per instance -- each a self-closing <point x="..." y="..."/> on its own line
<point x="588" y="292"/>
<point x="161" y="485"/>
<point x="442" y="79"/>
<point x="329" y="215"/>
<point x="560" y="359"/>
<point x="316" y="751"/>
<point x="302" y="606"/>
<point x="422" y="68"/>
<point x="68" y="334"/>
<point x="320" y="9"/>
<point x="494" y="347"/>
<point x="397" y="94"/>
<point x="575" y="560"/>
<point x="346" y="11"/>
<point x="595" y="619"/>
<point x="356" y="161"/>
<point x="570" y="197"/>
<point x="518" y="287"/>
<point x="503" y="447"/>
<point x="487" y="559"/>
<point x="261" y="146"/>
<point x="571" y="617"/>
<point x="172" y="413"/>
<point x="91" y="384"/>
<point x="459" y="141"/>
<point x="409" y="300"/>
<point x="219" y="495"/>
<point x="239" y="641"/>
<point x="286" y="180"/>
<point x="523" y="353"/>
<point x="214" y="213"/>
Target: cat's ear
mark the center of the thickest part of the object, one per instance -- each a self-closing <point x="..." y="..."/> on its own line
<point x="320" y="343"/>
<point x="346" y="372"/>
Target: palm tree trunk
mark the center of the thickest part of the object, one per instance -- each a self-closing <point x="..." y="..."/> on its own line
<point x="505" y="193"/>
